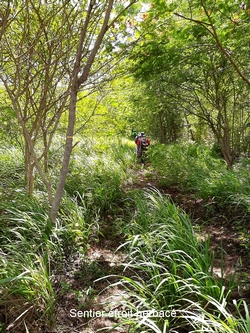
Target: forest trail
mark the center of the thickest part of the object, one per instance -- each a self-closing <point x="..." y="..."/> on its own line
<point x="85" y="291"/>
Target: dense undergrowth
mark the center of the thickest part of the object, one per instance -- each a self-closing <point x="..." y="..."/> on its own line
<point x="196" y="169"/>
<point x="173" y="288"/>
<point x="172" y="269"/>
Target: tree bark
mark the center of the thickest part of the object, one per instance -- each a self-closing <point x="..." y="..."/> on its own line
<point x="66" y="158"/>
<point x="29" y="169"/>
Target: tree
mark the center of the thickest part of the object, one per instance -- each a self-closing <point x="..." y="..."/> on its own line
<point x="224" y="26"/>
<point x="184" y="53"/>
<point x="62" y="47"/>
<point x="215" y="98"/>
<point x="81" y="72"/>
<point x="35" y="72"/>
<point x="152" y="65"/>
<point x="226" y="23"/>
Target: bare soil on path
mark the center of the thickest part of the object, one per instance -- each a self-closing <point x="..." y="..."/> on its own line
<point x="83" y="290"/>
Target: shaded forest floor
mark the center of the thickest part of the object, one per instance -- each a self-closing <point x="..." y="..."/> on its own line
<point x="82" y="289"/>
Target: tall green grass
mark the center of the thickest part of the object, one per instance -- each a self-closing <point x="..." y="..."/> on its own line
<point x="33" y="252"/>
<point x="26" y="256"/>
<point x="97" y="174"/>
<point x="170" y="270"/>
<point x="194" y="167"/>
<point x="12" y="172"/>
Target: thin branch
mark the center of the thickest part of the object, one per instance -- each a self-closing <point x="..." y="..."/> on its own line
<point x="212" y="30"/>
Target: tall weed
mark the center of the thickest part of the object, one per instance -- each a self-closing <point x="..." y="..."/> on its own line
<point x="97" y="175"/>
<point x="11" y="171"/>
<point x="26" y="256"/>
<point x="32" y="252"/>
<point x="172" y="271"/>
<point x="194" y="168"/>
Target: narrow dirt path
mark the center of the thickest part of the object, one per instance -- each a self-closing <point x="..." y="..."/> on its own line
<point x="87" y="302"/>
<point x="83" y="297"/>
<point x="83" y="293"/>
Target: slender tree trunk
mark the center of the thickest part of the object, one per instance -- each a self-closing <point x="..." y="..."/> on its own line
<point x="29" y="169"/>
<point x="76" y="83"/>
<point x="45" y="152"/>
<point x="71" y="119"/>
<point x="67" y="153"/>
<point x="190" y="131"/>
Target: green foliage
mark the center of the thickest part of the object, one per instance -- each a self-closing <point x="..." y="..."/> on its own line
<point x="9" y="129"/>
<point x="97" y="172"/>
<point x="32" y="250"/>
<point x="26" y="290"/>
<point x="243" y="324"/>
<point x="172" y="269"/>
<point x="12" y="172"/>
<point x="194" y="167"/>
<point x="184" y="164"/>
<point x="172" y="272"/>
<point x="188" y="78"/>
<point x="27" y="250"/>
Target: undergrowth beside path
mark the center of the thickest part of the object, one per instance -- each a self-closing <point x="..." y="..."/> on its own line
<point x="165" y="268"/>
<point x="168" y="263"/>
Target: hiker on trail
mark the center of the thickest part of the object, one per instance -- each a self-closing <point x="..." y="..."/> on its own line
<point x="142" y="142"/>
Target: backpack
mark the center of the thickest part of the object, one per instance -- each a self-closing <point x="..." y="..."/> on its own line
<point x="144" y="142"/>
<point x="138" y="136"/>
